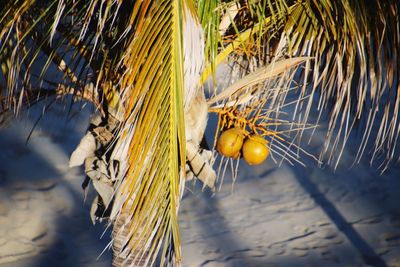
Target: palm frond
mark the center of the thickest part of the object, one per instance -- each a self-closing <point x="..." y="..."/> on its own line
<point x="129" y="55"/>
<point x="355" y="46"/>
<point x="209" y="13"/>
<point x="151" y="141"/>
<point x="46" y="41"/>
<point x="258" y="76"/>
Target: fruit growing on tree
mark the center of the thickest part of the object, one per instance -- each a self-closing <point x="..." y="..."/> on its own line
<point x="255" y="150"/>
<point x="230" y="142"/>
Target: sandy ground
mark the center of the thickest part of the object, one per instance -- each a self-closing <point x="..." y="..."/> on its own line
<point x="273" y="216"/>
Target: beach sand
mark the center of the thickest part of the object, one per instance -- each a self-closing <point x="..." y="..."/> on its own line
<point x="271" y="216"/>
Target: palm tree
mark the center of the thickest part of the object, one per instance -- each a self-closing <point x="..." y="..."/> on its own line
<point x="144" y="64"/>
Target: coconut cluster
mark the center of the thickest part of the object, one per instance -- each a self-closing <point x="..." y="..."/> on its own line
<point x="233" y="143"/>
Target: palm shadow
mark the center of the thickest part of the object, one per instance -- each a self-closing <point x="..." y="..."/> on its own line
<point x="71" y="239"/>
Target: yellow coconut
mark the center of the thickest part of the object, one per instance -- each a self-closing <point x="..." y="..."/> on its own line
<point x="255" y="150"/>
<point x="230" y="142"/>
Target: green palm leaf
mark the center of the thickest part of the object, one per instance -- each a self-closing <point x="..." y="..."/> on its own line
<point x="152" y="136"/>
<point x="132" y="54"/>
